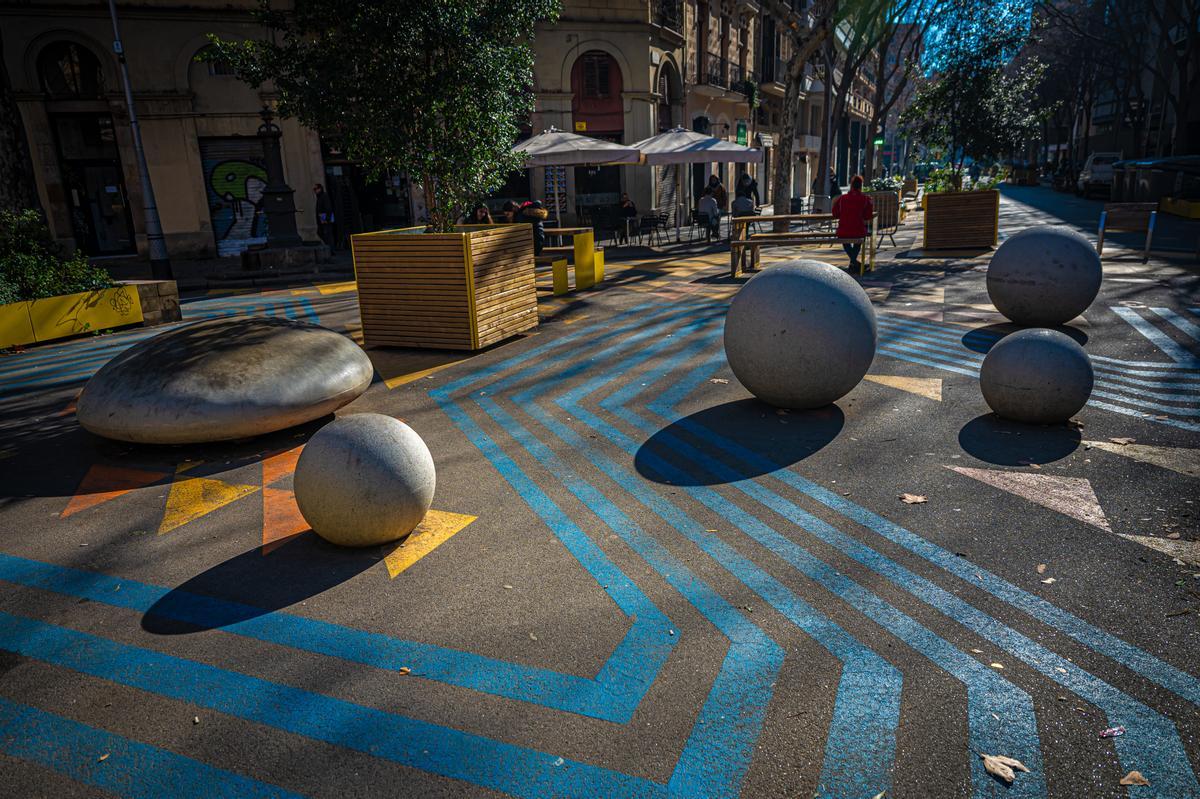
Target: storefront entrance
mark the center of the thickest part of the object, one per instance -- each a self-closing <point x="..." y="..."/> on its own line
<point x="93" y="183"/>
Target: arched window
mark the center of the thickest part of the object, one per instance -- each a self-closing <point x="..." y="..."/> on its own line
<point x="67" y="69"/>
<point x="216" y="67"/>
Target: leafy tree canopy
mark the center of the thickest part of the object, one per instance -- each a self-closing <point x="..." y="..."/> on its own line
<point x="435" y="89"/>
<point x="979" y="100"/>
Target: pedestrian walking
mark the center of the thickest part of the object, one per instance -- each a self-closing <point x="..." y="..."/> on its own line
<point x="852" y="210"/>
<point x="324" y="210"/>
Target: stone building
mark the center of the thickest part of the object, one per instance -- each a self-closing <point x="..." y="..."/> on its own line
<point x="198" y="126"/>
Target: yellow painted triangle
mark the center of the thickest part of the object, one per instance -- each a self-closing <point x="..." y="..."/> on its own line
<point x="435" y="529"/>
<point x="1184" y="460"/>
<point x="193" y="497"/>
<point x="928" y="387"/>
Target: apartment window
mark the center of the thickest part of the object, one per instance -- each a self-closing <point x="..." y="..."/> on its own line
<point x="596" y="76"/>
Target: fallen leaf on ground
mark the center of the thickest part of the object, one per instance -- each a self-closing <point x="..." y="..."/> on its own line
<point x="913" y="499"/>
<point x="719" y="381"/>
<point x="105" y="757"/>
<point x="1041" y="568"/>
<point x="404" y="670"/>
<point x="879" y="795"/>
<point x="1050" y="580"/>
<point x="1122" y="440"/>
<point x="1173" y="536"/>
<point x="1002" y="767"/>
<point x="996" y="665"/>
<point x="1134" y="778"/>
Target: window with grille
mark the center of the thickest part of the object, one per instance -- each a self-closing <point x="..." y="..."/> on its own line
<point x="596" y="76"/>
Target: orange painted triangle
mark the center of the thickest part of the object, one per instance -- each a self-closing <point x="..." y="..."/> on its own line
<point x="279" y="466"/>
<point x="281" y="518"/>
<point x="103" y="482"/>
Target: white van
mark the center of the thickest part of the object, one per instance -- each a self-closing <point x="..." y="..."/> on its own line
<point x="1097" y="174"/>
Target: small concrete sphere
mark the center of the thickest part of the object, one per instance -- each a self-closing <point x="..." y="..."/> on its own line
<point x="1036" y="376"/>
<point x="1044" y="276"/>
<point x="364" y="479"/>
<point x="800" y="335"/>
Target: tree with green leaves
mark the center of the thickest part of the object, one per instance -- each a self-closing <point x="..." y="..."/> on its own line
<point x="980" y="99"/>
<point x="435" y="89"/>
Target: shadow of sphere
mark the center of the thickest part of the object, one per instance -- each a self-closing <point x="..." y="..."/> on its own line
<point x="735" y="441"/>
<point x="996" y="440"/>
<point x="982" y="339"/>
<point x="251" y="585"/>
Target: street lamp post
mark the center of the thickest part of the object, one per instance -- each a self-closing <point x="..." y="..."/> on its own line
<point x="279" y="202"/>
<point x="160" y="262"/>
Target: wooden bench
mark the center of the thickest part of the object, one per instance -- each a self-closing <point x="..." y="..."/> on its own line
<point x="1128" y="218"/>
<point x="800" y="238"/>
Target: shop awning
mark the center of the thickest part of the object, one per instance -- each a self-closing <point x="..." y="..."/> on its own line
<point x="682" y="146"/>
<point x="559" y="148"/>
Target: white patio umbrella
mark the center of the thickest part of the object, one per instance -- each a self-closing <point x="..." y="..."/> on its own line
<point x="683" y="146"/>
<point x="557" y="148"/>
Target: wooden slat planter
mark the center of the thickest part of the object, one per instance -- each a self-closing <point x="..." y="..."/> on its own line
<point x="461" y="291"/>
<point x="961" y="219"/>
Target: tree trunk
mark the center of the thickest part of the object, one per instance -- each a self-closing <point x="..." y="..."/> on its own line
<point x="18" y="190"/>
<point x="803" y="51"/>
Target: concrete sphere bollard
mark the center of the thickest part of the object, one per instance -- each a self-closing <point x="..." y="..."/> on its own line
<point x="800" y="335"/>
<point x="1044" y="276"/>
<point x="1036" y="376"/>
<point x="364" y="479"/>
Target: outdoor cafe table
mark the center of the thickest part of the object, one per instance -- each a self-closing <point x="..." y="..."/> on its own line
<point x="740" y="223"/>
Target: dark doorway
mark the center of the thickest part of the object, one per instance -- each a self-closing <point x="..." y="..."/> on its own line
<point x="93" y="183"/>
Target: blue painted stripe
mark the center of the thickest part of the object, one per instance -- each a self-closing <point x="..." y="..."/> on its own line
<point x="129" y="768"/>
<point x="721" y="744"/>
<point x="860" y="745"/>
<point x="987" y="692"/>
<point x="512" y="769"/>
<point x="1169" y="346"/>
<point x="1159" y="748"/>
<point x="1189" y="329"/>
<point x="612" y="696"/>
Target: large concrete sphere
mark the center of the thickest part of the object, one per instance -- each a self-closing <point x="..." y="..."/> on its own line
<point x="1044" y="276"/>
<point x="223" y="379"/>
<point x="800" y="334"/>
<point x="1036" y="376"/>
<point x="364" y="479"/>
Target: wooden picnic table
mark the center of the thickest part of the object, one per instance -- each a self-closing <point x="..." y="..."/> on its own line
<point x="745" y="221"/>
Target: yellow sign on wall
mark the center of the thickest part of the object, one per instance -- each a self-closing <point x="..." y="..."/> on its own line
<point x="580" y="127"/>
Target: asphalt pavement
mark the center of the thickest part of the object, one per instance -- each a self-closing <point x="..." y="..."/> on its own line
<point x="639" y="581"/>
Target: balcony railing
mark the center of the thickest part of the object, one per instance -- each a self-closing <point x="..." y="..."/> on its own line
<point x="715" y="72"/>
<point x="668" y="14"/>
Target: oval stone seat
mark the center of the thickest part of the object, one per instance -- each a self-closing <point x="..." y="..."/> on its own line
<point x="223" y="379"/>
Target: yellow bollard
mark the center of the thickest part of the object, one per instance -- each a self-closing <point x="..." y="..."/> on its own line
<point x="600" y="266"/>
<point x="559" y="270"/>
<point x="585" y="260"/>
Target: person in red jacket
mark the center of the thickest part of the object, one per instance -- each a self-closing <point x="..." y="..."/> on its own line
<point x="853" y="210"/>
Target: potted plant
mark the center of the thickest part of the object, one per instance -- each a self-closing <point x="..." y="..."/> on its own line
<point x="435" y="90"/>
<point x="44" y="296"/>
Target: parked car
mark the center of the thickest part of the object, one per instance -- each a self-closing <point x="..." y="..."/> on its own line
<point x="1097" y="174"/>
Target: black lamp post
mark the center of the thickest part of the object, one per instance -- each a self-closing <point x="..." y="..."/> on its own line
<point x="278" y="202"/>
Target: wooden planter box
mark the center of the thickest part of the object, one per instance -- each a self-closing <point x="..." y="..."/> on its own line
<point x="461" y="291"/>
<point x="144" y="302"/>
<point x="961" y="219"/>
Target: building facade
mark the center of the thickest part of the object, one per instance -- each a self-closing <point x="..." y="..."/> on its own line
<point x="198" y="126"/>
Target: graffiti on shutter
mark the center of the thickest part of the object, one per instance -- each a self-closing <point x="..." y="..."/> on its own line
<point x="234" y="177"/>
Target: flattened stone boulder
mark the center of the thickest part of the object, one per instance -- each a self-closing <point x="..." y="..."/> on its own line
<point x="223" y="379"/>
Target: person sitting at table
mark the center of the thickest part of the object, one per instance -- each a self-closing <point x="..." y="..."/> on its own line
<point x="710" y="212"/>
<point x="743" y="205"/>
<point x="480" y="215"/>
<point x="628" y="209"/>
<point x="508" y="213"/>
<point x="852" y="211"/>
<point x="535" y="214"/>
